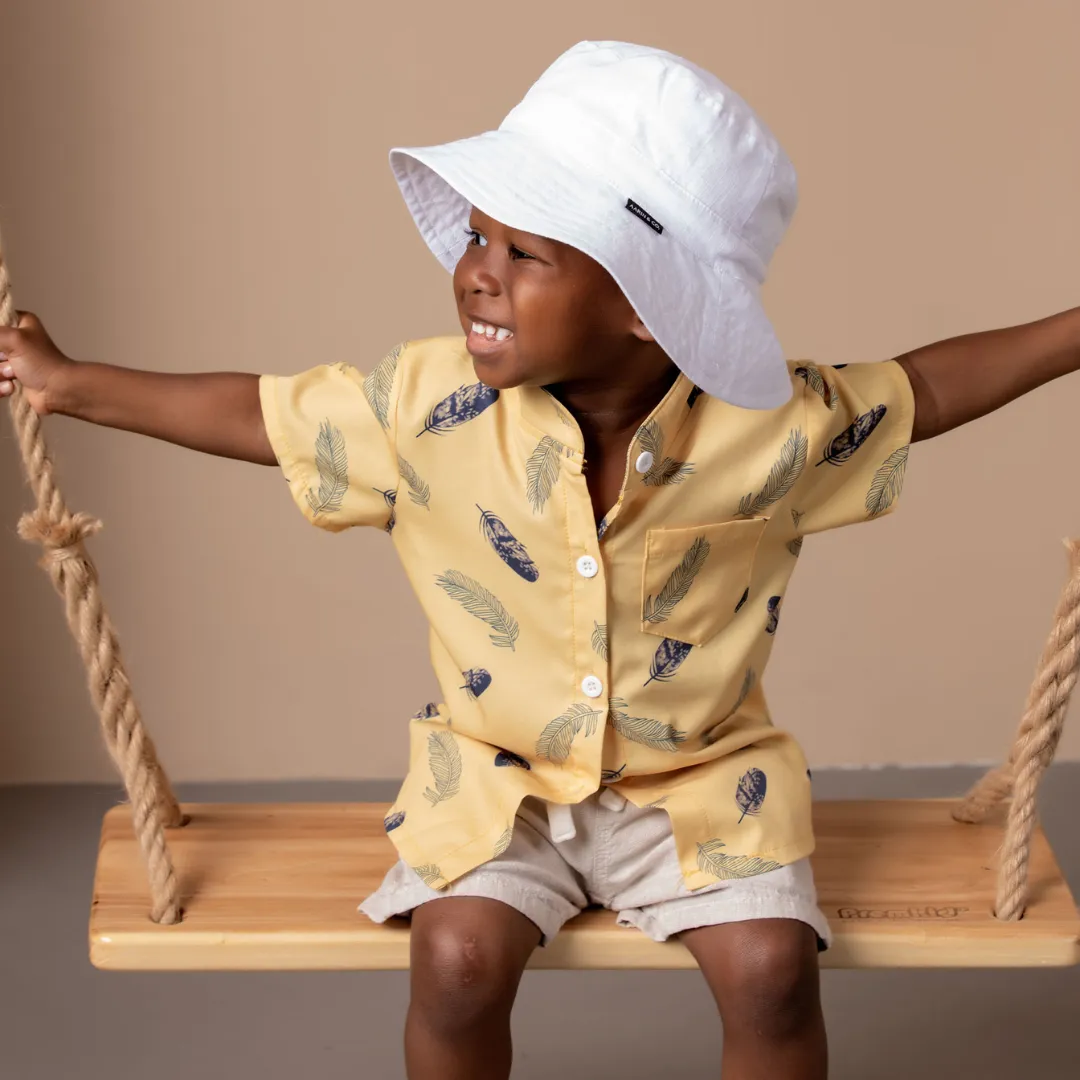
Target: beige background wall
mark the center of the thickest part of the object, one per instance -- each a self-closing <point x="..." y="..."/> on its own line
<point x="203" y="186"/>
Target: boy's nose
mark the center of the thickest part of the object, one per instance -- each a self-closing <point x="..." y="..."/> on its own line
<point x="474" y="277"/>
<point x="483" y="281"/>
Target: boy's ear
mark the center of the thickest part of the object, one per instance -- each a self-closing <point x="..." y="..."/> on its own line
<point x="640" y="330"/>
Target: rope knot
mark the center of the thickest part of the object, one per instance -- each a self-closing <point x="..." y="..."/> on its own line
<point x="62" y="538"/>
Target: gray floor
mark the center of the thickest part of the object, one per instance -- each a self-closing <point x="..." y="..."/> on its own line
<point x="61" y="1018"/>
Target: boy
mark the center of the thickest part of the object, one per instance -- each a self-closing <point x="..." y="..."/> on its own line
<point x="599" y="496"/>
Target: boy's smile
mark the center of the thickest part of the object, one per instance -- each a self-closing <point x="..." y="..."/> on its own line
<point x="485" y="339"/>
<point x="538" y="312"/>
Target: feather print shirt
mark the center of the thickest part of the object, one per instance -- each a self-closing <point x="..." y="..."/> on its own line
<point x="568" y="656"/>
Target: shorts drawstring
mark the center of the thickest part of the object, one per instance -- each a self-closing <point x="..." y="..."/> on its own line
<point x="612" y="799"/>
<point x="561" y="819"/>
<point x="560" y="822"/>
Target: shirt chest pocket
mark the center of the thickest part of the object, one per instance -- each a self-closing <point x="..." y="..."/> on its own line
<point x="693" y="580"/>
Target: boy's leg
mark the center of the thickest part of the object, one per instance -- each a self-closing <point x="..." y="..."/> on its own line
<point x="764" y="976"/>
<point x="467" y="957"/>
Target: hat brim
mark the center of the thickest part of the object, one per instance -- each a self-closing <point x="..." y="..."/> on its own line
<point x="711" y="321"/>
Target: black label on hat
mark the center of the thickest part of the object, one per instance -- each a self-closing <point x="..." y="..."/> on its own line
<point x="644" y="215"/>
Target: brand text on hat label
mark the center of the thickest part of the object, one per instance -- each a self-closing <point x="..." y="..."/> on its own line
<point x="644" y="215"/>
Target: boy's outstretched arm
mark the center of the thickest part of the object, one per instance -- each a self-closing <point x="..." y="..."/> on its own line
<point x="962" y="378"/>
<point x="216" y="413"/>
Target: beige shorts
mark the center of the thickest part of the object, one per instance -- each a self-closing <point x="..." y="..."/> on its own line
<point x="608" y="852"/>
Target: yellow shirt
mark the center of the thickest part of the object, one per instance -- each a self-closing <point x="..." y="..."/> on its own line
<point x="568" y="659"/>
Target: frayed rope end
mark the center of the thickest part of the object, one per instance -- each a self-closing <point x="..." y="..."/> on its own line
<point x="61" y="539"/>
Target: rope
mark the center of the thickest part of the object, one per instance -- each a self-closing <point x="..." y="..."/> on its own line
<point x="1033" y="749"/>
<point x="62" y="534"/>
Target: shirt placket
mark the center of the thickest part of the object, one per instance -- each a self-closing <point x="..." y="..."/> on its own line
<point x="589" y="603"/>
<point x="670" y="413"/>
<point x="588" y="611"/>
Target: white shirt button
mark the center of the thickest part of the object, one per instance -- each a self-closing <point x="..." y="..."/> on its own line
<point x="587" y="566"/>
<point x="592" y="686"/>
<point x="644" y="461"/>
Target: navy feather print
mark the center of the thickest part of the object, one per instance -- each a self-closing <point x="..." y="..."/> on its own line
<point x="750" y="793"/>
<point x="667" y="659"/>
<point x="477" y="680"/>
<point x="601" y="528"/>
<point x="773" y="616"/>
<point x="429" y="712"/>
<point x="742" y="599"/>
<point x="851" y="438"/>
<point x="391" y="500"/>
<point x="506" y="758"/>
<point x="393" y="821"/>
<point x="464" y="404"/>
<point x="507" y="546"/>
<point x="610" y="776"/>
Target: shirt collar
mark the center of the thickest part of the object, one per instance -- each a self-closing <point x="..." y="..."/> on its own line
<point x="540" y="411"/>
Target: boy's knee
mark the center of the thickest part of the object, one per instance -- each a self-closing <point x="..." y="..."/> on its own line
<point x="458" y="978"/>
<point x="770" y="978"/>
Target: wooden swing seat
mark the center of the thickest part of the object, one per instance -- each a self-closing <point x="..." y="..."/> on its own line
<point x="276" y="887"/>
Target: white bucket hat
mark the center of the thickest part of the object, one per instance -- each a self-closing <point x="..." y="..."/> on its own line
<point x="659" y="172"/>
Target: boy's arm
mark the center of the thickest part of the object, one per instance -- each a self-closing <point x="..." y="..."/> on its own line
<point x="215" y="413"/>
<point x="962" y="378"/>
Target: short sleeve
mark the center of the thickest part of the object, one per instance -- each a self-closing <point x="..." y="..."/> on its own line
<point x="332" y="430"/>
<point x="859" y="420"/>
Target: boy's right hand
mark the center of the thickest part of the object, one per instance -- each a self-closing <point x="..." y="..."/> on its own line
<point x="31" y="358"/>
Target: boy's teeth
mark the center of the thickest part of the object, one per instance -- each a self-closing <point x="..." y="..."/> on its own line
<point x="494" y="333"/>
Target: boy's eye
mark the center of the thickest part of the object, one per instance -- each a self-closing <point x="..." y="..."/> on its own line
<point x="478" y="239"/>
